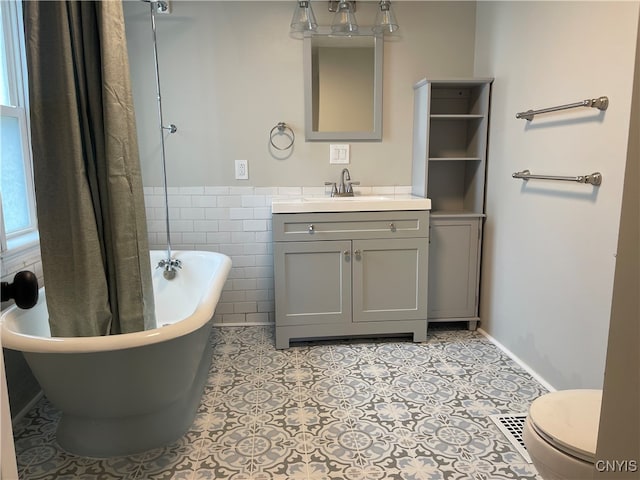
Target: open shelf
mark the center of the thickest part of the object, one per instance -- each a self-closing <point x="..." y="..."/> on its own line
<point x="454" y="159"/>
<point x="457" y="137"/>
<point x="460" y="99"/>
<point x="456" y="117"/>
<point x="456" y="185"/>
<point x="451" y="120"/>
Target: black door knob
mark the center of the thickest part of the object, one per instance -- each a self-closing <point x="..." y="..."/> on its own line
<point x="24" y="289"/>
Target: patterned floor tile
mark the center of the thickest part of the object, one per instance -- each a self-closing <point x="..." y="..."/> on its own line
<point x="367" y="409"/>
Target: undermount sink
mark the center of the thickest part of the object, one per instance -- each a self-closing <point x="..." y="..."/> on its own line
<point x="358" y="203"/>
<point x="358" y="198"/>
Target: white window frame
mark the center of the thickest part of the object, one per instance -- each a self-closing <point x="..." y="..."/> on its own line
<point x="22" y="242"/>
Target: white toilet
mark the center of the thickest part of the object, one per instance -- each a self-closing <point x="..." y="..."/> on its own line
<point x="561" y="432"/>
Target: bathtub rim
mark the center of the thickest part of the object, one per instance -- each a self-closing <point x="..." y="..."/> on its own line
<point x="31" y="343"/>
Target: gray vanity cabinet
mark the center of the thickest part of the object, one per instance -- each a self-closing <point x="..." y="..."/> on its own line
<point x="350" y="273"/>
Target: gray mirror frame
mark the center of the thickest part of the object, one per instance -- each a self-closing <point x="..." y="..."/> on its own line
<point x="376" y="133"/>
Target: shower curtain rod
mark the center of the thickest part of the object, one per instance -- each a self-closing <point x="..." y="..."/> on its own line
<point x="169" y="265"/>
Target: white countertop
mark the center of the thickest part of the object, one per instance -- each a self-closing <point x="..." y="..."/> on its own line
<point x="358" y="203"/>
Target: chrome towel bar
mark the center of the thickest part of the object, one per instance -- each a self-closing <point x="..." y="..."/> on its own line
<point x="601" y="103"/>
<point x="593" y="179"/>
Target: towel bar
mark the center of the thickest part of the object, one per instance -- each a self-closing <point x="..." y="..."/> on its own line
<point x="601" y="103"/>
<point x="593" y="179"/>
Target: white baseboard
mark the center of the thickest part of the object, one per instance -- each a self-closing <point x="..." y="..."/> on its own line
<point x="524" y="366"/>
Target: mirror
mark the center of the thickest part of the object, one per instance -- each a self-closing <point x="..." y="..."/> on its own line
<point x="343" y="87"/>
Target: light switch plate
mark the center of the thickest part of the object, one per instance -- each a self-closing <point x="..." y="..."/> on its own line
<point x="339" y="153"/>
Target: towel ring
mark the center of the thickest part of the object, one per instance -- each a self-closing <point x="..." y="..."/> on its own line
<point x="282" y="128"/>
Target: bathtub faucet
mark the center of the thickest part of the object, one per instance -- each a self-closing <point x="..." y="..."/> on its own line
<point x="170" y="266"/>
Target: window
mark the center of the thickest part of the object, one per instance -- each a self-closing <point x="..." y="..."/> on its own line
<point x="18" y="228"/>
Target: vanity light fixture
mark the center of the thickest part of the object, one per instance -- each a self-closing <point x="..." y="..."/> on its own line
<point x="344" y="19"/>
<point x="303" y="19"/>
<point x="385" y="19"/>
<point x="333" y="5"/>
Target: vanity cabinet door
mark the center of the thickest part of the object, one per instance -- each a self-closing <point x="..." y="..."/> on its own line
<point x="390" y="279"/>
<point x="312" y="282"/>
<point x="454" y="268"/>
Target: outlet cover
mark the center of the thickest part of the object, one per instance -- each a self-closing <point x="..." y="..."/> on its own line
<point x="242" y="170"/>
<point x="339" y="153"/>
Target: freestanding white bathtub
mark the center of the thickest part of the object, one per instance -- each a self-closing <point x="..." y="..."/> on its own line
<point x="124" y="394"/>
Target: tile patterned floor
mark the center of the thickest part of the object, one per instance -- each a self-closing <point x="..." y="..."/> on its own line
<point x="357" y="410"/>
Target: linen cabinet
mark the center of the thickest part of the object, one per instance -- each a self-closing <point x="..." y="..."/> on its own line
<point x="449" y="159"/>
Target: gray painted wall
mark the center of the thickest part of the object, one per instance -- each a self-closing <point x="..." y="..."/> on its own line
<point x="550" y="248"/>
<point x="230" y="72"/>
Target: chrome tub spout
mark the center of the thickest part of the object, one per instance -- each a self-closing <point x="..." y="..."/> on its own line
<point x="170" y="266"/>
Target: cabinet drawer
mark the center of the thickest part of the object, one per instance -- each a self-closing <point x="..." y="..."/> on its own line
<point x="350" y="225"/>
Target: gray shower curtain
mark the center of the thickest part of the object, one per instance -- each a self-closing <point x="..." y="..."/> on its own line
<point x="91" y="216"/>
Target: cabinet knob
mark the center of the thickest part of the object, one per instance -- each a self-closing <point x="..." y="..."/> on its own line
<point x="311" y="228"/>
<point x="346" y="253"/>
<point x="357" y="253"/>
<point x="392" y="227"/>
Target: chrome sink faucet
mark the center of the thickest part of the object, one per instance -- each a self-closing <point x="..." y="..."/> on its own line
<point x="344" y="176"/>
<point x="345" y="188"/>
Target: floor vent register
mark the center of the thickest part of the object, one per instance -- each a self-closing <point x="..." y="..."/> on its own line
<point x="512" y="426"/>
